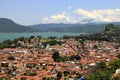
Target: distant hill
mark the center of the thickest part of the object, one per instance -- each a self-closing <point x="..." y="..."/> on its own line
<point x="7" y="25"/>
<point x="55" y="27"/>
<point x="79" y="28"/>
<point x="110" y="34"/>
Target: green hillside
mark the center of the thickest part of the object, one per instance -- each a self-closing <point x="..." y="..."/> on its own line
<point x="7" y="25"/>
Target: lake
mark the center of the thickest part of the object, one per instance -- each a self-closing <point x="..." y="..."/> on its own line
<point x="12" y="36"/>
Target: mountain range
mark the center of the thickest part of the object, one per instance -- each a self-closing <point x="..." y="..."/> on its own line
<point x="7" y="25"/>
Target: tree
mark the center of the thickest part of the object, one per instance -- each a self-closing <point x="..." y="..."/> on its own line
<point x="44" y="78"/>
<point x="64" y="58"/>
<point x="22" y="78"/>
<point x="39" y="37"/>
<point x="56" y="56"/>
<point x="31" y="37"/>
<point x="20" y="39"/>
<point x="95" y="46"/>
<point x="11" y="58"/>
<point x="114" y="64"/>
<point x="59" y="75"/>
<point x="10" y="72"/>
<point x="75" y="57"/>
<point x="31" y="66"/>
<point x="82" y="41"/>
<point x="99" y="75"/>
<point x="118" y="56"/>
<point x="4" y="64"/>
<point x="6" y="44"/>
<point x="109" y="27"/>
<point x="101" y="65"/>
<point x="32" y="74"/>
<point x="50" y="78"/>
<point x="66" y="73"/>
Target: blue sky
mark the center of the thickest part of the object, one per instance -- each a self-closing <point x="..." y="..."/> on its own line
<point x="28" y="12"/>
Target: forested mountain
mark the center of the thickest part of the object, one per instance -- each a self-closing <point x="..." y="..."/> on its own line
<point x="111" y="33"/>
<point x="79" y="28"/>
<point x="83" y="28"/>
<point x="7" y="25"/>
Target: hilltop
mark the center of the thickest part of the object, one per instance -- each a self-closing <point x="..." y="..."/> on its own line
<point x="7" y="25"/>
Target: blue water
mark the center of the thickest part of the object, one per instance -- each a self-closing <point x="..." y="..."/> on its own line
<point x="11" y="36"/>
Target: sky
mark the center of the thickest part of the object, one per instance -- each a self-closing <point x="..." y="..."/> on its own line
<point x="30" y="12"/>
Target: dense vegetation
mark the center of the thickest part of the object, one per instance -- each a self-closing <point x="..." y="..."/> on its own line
<point x="9" y="44"/>
<point x="57" y="58"/>
<point x="103" y="71"/>
<point x="110" y="34"/>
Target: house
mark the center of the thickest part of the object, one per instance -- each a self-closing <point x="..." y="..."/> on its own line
<point x="92" y="64"/>
<point x="117" y="71"/>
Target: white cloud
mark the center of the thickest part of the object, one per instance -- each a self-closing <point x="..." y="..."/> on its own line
<point x="69" y="7"/>
<point x="84" y="16"/>
<point x="58" y="16"/>
<point x="106" y="15"/>
<point x="45" y="20"/>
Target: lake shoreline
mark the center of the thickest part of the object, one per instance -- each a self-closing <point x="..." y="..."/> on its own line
<point x="12" y="36"/>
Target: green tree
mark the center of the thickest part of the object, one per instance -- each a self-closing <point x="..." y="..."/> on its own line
<point x="44" y="78"/>
<point x="64" y="58"/>
<point x="32" y="74"/>
<point x="101" y="65"/>
<point x="114" y="64"/>
<point x="118" y="56"/>
<point x="31" y="66"/>
<point x="22" y="78"/>
<point x="110" y="27"/>
<point x="66" y="73"/>
<point x="11" y="58"/>
<point x="4" y="64"/>
<point x="1" y="78"/>
<point x="59" y="75"/>
<point x="82" y="41"/>
<point x="99" y="75"/>
<point x="31" y="37"/>
<point x="75" y="57"/>
<point x="56" y="56"/>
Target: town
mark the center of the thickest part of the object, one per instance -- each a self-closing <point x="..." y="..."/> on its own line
<point x="59" y="39"/>
<point x="55" y="59"/>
